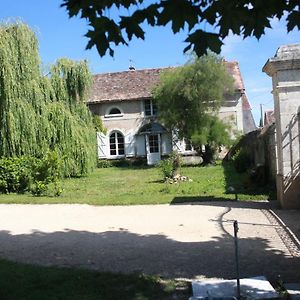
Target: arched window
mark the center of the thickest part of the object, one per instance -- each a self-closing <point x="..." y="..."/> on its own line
<point x="116" y="143"/>
<point x="114" y="111"/>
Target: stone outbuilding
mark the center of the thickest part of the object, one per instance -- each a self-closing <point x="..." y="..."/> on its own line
<point x="284" y="68"/>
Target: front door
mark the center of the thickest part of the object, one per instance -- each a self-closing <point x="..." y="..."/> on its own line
<point x="153" y="148"/>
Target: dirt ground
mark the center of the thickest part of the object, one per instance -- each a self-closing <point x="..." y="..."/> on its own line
<point x="173" y="241"/>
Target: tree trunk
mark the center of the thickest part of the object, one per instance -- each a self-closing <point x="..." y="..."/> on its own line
<point x="208" y="155"/>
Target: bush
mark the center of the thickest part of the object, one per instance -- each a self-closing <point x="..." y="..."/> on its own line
<point x="122" y="163"/>
<point x="242" y="160"/>
<point x="45" y="172"/>
<point x="21" y="174"/>
<point x="15" y="174"/>
<point x="170" y="165"/>
<point x="166" y="167"/>
<point x="104" y="163"/>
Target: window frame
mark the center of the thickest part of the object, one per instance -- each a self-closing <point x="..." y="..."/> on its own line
<point x="110" y="115"/>
<point x="153" y="143"/>
<point x="150" y="108"/>
<point x="116" y="144"/>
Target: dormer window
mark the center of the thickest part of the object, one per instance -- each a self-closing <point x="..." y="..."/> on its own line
<point x="150" y="108"/>
<point x="114" y="112"/>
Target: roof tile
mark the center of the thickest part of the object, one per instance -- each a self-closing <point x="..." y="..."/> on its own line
<point x="138" y="84"/>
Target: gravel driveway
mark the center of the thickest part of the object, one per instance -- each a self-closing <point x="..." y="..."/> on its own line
<point x="176" y="241"/>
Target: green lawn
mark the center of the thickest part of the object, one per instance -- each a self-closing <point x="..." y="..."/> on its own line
<point x="25" y="282"/>
<point x="123" y="186"/>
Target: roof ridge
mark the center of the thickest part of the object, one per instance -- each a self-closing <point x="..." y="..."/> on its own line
<point x="136" y="70"/>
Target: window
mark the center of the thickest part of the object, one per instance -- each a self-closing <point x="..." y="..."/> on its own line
<point x="150" y="108"/>
<point x="116" y="144"/>
<point x="114" y="111"/>
<point x="153" y="143"/>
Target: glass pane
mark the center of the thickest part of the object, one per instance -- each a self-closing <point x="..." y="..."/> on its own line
<point x="112" y="144"/>
<point x="153" y="143"/>
<point x="112" y="138"/>
<point x="147" y="107"/>
<point x="114" y="111"/>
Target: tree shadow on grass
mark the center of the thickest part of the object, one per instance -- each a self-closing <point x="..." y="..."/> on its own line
<point x="242" y="183"/>
<point x="29" y="282"/>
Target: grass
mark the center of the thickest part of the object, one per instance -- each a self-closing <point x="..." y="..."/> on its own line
<point x="26" y="282"/>
<point x="128" y="185"/>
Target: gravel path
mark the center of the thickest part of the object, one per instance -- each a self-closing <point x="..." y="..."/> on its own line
<point x="178" y="241"/>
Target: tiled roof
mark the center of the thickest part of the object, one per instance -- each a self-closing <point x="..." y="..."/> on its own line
<point x="138" y="84"/>
<point x="269" y="117"/>
<point x="245" y="102"/>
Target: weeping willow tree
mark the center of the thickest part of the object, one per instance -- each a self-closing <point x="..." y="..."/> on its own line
<point x="41" y="113"/>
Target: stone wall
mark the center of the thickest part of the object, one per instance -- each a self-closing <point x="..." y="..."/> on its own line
<point x="261" y="148"/>
<point x="284" y="68"/>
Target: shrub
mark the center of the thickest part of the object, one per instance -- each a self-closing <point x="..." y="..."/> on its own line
<point x="242" y="160"/>
<point x="170" y="166"/>
<point x="104" y="163"/>
<point x="15" y="174"/>
<point x="166" y="167"/>
<point x="122" y="163"/>
<point x="47" y="171"/>
<point x="21" y="174"/>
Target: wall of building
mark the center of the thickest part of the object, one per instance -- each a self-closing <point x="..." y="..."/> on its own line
<point x="232" y="113"/>
<point x="132" y="118"/>
<point x="284" y="69"/>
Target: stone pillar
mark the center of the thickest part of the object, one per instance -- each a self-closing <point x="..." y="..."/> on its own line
<point x="284" y="68"/>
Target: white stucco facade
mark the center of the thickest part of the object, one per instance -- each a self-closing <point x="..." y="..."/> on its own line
<point x="131" y="120"/>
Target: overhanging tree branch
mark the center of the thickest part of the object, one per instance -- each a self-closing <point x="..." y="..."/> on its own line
<point x="242" y="17"/>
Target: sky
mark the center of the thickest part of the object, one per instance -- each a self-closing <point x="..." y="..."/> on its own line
<point x="59" y="36"/>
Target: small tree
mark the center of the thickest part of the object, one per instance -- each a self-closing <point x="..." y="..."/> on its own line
<point x="188" y="99"/>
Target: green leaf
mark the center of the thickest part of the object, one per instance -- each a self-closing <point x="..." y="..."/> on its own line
<point x="132" y="28"/>
<point x="293" y="20"/>
<point x="201" y="41"/>
<point x="179" y="12"/>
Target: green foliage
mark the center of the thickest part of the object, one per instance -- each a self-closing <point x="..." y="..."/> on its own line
<point x="15" y="174"/>
<point x="122" y="163"/>
<point x="216" y="133"/>
<point x="103" y="163"/>
<point x="242" y="161"/>
<point x="21" y="174"/>
<point x="144" y="185"/>
<point x="98" y="124"/>
<point x="46" y="171"/>
<point x="189" y="97"/>
<point x="166" y="167"/>
<point x="244" y="18"/>
<point x="41" y="113"/>
<point x="170" y="166"/>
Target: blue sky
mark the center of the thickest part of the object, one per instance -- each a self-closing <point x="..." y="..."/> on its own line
<point x="60" y="36"/>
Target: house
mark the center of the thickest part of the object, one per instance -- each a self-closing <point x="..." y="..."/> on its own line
<point x="123" y="101"/>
